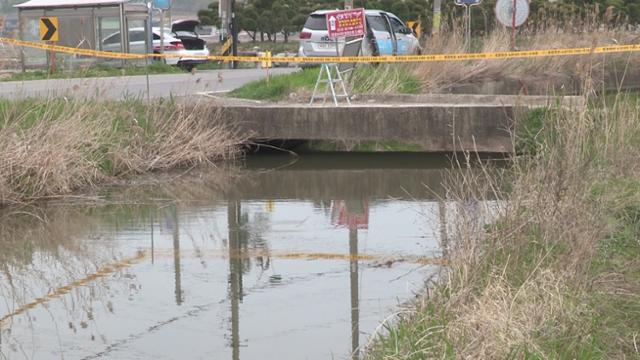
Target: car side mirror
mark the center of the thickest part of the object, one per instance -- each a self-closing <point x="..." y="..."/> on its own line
<point x="406" y="31"/>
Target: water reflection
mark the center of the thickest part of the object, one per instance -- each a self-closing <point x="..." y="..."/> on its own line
<point x="353" y="215"/>
<point x="235" y="273"/>
<point x="176" y="255"/>
<point x="258" y="264"/>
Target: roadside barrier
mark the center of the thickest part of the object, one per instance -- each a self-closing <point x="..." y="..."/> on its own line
<point x="360" y="59"/>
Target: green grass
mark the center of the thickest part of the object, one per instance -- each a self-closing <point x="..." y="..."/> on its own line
<point x="617" y="311"/>
<point x="277" y="87"/>
<point x="211" y="65"/>
<point x="385" y="78"/>
<point x="366" y="79"/>
<point x="96" y="71"/>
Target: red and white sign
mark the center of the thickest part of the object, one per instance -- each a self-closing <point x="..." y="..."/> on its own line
<point x="345" y="23"/>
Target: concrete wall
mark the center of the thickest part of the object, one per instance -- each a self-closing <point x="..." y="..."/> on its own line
<point x="437" y="128"/>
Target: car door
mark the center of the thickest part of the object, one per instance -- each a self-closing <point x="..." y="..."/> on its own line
<point x="381" y="32"/>
<point x="404" y="36"/>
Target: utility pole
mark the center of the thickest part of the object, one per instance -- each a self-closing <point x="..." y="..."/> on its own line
<point x="437" y="16"/>
<point x="226" y="9"/>
<point x="234" y="33"/>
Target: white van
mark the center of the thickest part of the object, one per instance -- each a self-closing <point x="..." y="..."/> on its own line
<point x="386" y="35"/>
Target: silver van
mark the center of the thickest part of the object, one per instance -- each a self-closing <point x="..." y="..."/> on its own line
<point x="386" y="35"/>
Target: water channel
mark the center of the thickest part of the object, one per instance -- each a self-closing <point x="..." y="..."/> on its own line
<point x="281" y="258"/>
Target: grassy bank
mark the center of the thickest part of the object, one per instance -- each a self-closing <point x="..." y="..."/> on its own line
<point x="298" y="86"/>
<point x="278" y="87"/>
<point x="562" y="72"/>
<point x="557" y="274"/>
<point x="50" y="148"/>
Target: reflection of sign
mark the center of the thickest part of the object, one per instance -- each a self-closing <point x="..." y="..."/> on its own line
<point x="271" y="206"/>
<point x="49" y="29"/>
<point x="162" y="4"/>
<point x="505" y="10"/>
<point x="468" y="2"/>
<point x="350" y="214"/>
<point x="416" y="26"/>
<point x="345" y="23"/>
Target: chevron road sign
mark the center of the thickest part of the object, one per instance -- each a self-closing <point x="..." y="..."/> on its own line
<point x="49" y="29"/>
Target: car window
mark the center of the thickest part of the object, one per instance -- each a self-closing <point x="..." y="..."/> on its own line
<point x="377" y="23"/>
<point x="156" y="36"/>
<point x="113" y="39"/>
<point x="316" y="22"/>
<point x="396" y="25"/>
<point x="135" y="36"/>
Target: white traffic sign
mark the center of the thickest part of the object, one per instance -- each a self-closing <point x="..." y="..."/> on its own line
<point x="468" y="2"/>
<point x="505" y="12"/>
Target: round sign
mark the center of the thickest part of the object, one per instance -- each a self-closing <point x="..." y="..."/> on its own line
<point x="506" y="8"/>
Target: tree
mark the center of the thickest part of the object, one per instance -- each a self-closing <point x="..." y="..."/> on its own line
<point x="210" y="15"/>
<point x="272" y="17"/>
<point x="247" y="18"/>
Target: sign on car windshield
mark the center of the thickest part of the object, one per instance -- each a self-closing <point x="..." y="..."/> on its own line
<point x="345" y="23"/>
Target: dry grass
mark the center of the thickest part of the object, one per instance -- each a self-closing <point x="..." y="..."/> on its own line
<point x="526" y="287"/>
<point x="553" y="70"/>
<point x="54" y="147"/>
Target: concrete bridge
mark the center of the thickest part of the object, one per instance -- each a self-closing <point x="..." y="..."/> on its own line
<point x="437" y="123"/>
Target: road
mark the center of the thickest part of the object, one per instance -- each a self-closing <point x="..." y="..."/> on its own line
<point x="127" y="86"/>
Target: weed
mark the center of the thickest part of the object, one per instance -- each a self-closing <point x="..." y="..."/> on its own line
<point x="557" y="275"/>
<point x="53" y="147"/>
<point x="278" y="87"/>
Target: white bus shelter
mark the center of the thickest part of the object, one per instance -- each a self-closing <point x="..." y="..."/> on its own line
<point x="84" y="24"/>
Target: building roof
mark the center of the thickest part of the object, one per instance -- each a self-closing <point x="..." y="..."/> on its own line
<point x="47" y="4"/>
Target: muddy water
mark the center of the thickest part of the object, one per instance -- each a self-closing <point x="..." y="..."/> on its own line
<point x="284" y="258"/>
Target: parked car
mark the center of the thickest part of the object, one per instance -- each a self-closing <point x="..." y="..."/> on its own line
<point x="386" y="35"/>
<point x="181" y="41"/>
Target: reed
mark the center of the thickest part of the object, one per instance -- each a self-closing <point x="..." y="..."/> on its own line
<point x="555" y="275"/>
<point x="56" y="146"/>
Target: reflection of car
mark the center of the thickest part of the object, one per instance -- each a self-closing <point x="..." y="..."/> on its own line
<point x="181" y="41"/>
<point x="386" y="35"/>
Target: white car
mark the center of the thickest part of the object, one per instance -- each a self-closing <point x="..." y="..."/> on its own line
<point x="386" y="35"/>
<point x="186" y="45"/>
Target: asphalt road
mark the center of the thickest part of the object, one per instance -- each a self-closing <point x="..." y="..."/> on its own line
<point x="136" y="86"/>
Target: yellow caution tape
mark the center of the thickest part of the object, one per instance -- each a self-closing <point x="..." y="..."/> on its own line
<point x="64" y="290"/>
<point x="358" y="59"/>
<point x="70" y="50"/>
<point x="243" y="254"/>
